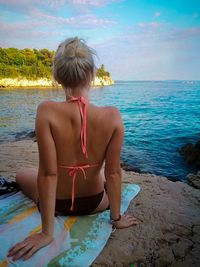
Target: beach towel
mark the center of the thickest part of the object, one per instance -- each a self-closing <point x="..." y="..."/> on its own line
<point x="78" y="240"/>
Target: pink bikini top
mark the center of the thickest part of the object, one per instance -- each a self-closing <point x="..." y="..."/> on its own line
<point x="73" y="170"/>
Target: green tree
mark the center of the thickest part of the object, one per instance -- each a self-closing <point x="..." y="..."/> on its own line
<point x="101" y="72"/>
<point x="3" y="56"/>
<point x="30" y="64"/>
<point x="30" y="56"/>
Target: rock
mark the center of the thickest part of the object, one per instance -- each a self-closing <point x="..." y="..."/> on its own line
<point x="181" y="248"/>
<point x="173" y="178"/>
<point x="196" y="233"/>
<point x="197" y="145"/>
<point x="40" y="82"/>
<point x="25" y="135"/>
<point x="23" y="82"/>
<point x="191" y="153"/>
<point x="195" y="254"/>
<point x="32" y="134"/>
<point x="194" y="179"/>
<point x="130" y="168"/>
<point x="102" y="81"/>
<point x="164" y="258"/>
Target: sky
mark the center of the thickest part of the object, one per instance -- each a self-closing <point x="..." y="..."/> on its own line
<point x="134" y="39"/>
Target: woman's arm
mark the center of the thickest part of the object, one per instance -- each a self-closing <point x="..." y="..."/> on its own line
<point x="112" y="165"/>
<point x="47" y="182"/>
<point x="113" y="174"/>
<point x="47" y="174"/>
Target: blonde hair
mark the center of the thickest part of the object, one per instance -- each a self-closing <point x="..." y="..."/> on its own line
<point x="73" y="63"/>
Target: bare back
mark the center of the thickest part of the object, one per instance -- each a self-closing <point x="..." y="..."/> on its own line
<point x="65" y="124"/>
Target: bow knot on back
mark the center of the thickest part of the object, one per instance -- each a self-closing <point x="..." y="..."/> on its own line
<point x="72" y="171"/>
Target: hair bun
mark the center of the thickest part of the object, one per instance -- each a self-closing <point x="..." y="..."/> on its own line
<point x="74" y="50"/>
<point x="68" y="51"/>
<point x="73" y="63"/>
<point x="80" y="53"/>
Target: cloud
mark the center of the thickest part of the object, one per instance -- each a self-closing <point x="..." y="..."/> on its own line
<point x="83" y="5"/>
<point x="88" y="21"/>
<point x="24" y="30"/>
<point x="148" y="25"/>
<point x="20" y="6"/>
<point x="183" y="34"/>
<point x="95" y="3"/>
<point x="34" y="13"/>
<point x="87" y="6"/>
<point x="151" y="52"/>
<point x="32" y="34"/>
<point x="157" y="14"/>
<point x="50" y="29"/>
<point x="39" y="25"/>
<point x="20" y="2"/>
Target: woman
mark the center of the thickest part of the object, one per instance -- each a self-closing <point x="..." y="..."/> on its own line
<point x="75" y="139"/>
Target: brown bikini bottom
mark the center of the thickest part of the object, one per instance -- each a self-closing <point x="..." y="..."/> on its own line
<point x="82" y="205"/>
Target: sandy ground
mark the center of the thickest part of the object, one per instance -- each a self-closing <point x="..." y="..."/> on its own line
<point x="168" y="233"/>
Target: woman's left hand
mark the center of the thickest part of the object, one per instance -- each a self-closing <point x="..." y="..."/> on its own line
<point x="29" y="246"/>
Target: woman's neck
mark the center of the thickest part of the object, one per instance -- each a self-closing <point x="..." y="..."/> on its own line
<point x="76" y="92"/>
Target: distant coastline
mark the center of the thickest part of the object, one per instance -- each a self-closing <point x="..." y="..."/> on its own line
<point x="32" y="68"/>
<point x="44" y="82"/>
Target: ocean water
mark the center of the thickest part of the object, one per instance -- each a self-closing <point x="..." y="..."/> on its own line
<point x="159" y="117"/>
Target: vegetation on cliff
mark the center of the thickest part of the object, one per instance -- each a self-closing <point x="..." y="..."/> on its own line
<point x="25" y="63"/>
<point x="34" y="64"/>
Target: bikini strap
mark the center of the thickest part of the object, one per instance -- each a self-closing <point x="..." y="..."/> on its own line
<point x="72" y="171"/>
<point x="82" y="102"/>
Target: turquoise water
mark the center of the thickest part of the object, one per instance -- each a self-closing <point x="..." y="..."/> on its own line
<point x="159" y="118"/>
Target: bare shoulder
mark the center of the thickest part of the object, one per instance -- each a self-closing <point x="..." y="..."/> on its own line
<point x="113" y="115"/>
<point x="112" y="111"/>
<point x="46" y="104"/>
<point x="46" y="107"/>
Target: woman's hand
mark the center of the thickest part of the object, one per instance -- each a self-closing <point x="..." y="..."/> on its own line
<point x="125" y="221"/>
<point x="29" y="246"/>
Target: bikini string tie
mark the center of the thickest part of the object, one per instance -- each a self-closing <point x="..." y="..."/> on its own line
<point x="72" y="172"/>
<point x="82" y="102"/>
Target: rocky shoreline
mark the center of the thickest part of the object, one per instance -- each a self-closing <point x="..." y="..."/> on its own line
<point x="191" y="155"/>
<point x="168" y="233"/>
<point x="44" y="82"/>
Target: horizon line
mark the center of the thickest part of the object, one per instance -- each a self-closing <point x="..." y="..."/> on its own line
<point x="165" y="80"/>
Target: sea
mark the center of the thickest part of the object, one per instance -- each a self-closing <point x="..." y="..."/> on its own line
<point x="159" y="118"/>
